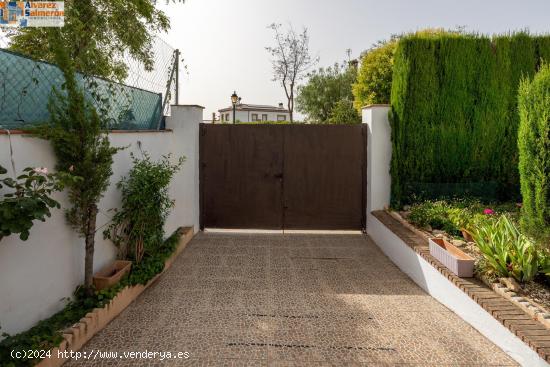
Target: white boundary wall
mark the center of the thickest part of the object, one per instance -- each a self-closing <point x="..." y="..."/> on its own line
<point x="419" y="270"/>
<point x="37" y="274"/>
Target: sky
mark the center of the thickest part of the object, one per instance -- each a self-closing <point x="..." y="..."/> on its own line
<point x="223" y="41"/>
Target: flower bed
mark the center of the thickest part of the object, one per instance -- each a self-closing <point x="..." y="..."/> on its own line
<point x="498" y="247"/>
<point x="84" y="316"/>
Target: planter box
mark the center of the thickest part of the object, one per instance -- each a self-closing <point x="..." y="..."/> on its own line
<point x="452" y="257"/>
<point x="111" y="274"/>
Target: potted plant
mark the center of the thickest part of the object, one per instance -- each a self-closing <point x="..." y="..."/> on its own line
<point x="111" y="274"/>
<point x="452" y="257"/>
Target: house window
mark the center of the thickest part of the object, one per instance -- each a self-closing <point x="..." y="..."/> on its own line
<point x="221" y="117"/>
<point x="264" y="117"/>
<point x="281" y="117"/>
<point x="254" y="117"/>
<point x="226" y="117"/>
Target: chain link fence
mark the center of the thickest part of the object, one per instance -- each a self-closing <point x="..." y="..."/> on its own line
<point x="140" y="103"/>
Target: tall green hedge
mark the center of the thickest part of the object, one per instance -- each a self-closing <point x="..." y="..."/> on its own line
<point x="534" y="153"/>
<point x="454" y="114"/>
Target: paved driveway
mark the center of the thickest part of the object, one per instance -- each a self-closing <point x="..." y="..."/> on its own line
<point x="292" y="300"/>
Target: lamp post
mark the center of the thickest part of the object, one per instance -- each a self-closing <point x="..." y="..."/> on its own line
<point x="234" y="99"/>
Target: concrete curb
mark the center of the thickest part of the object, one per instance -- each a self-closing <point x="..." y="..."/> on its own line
<point x="513" y="330"/>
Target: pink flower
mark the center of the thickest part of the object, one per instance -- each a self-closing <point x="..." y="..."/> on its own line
<point x="488" y="211"/>
<point x="41" y="170"/>
<point x="71" y="168"/>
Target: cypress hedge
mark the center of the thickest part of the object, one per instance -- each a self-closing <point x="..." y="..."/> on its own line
<point x="455" y="114"/>
<point x="534" y="153"/>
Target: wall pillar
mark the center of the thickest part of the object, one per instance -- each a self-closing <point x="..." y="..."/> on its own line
<point x="185" y="121"/>
<point x="379" y="152"/>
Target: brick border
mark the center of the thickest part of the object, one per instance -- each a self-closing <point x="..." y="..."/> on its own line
<point x="525" y="326"/>
<point x="75" y="337"/>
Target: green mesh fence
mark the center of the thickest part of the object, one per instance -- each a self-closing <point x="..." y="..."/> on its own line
<point x="26" y="86"/>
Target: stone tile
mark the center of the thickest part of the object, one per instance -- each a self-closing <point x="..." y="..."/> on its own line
<point x="291" y="300"/>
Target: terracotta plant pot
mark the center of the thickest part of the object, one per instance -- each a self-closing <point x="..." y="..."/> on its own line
<point x="467" y="235"/>
<point x="452" y="257"/>
<point x="111" y="274"/>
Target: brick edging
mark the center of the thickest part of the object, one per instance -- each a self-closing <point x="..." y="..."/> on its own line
<point x="525" y="326"/>
<point x="75" y="337"/>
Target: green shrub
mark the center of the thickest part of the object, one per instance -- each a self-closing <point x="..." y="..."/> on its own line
<point x="343" y="112"/>
<point x="28" y="198"/>
<point x="454" y="114"/>
<point x="435" y="215"/>
<point x="506" y="251"/>
<point x="534" y="153"/>
<point x="374" y="78"/>
<point x="138" y="227"/>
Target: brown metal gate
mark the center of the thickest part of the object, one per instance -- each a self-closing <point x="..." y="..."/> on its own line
<point x="283" y="176"/>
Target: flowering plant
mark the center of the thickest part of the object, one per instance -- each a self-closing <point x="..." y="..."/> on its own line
<point x="27" y="198"/>
<point x="488" y="211"/>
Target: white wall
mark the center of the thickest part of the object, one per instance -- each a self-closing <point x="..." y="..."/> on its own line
<point x="35" y="275"/>
<point x="379" y="152"/>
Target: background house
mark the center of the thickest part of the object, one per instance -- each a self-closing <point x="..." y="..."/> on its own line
<point x="253" y="112"/>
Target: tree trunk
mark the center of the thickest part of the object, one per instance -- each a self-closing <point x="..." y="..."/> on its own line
<point x="90" y="244"/>
<point x="290" y="110"/>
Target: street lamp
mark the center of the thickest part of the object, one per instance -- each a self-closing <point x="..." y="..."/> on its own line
<point x="234" y="99"/>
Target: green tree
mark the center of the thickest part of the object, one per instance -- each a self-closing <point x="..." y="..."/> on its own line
<point x="534" y="153"/>
<point x="78" y="135"/>
<point x="97" y="34"/>
<point x="374" y="78"/>
<point x="324" y="89"/>
<point x="344" y="113"/>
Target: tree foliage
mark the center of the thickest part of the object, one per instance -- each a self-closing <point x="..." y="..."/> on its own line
<point x="97" y="35"/>
<point x="325" y="88"/>
<point x="374" y="78"/>
<point x="344" y="113"/>
<point x="534" y="153"/>
<point x="28" y="198"/>
<point x="291" y="60"/>
<point x="454" y="114"/>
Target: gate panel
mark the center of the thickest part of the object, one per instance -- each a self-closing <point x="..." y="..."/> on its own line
<point x="323" y="177"/>
<point x="241" y="176"/>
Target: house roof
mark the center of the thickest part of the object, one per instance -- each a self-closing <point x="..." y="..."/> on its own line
<point x="255" y="107"/>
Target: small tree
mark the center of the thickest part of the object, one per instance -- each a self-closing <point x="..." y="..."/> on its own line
<point x="291" y="60"/>
<point x="374" y="78"/>
<point x="534" y="153"/>
<point x="324" y="89"/>
<point x="78" y="136"/>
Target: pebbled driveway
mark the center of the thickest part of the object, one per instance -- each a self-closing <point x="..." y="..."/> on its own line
<point x="289" y="300"/>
